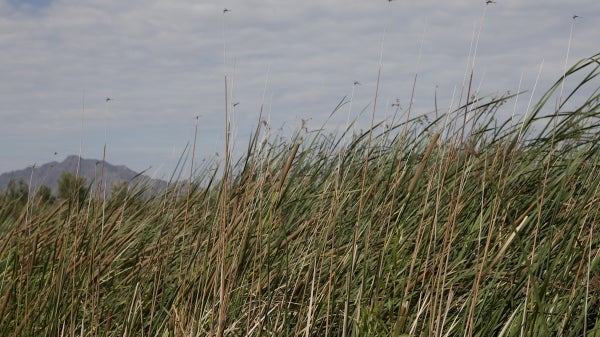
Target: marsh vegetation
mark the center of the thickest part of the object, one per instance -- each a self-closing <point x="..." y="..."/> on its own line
<point x="446" y="224"/>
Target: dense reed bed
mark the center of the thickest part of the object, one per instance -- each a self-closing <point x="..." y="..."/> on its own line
<point x="460" y="225"/>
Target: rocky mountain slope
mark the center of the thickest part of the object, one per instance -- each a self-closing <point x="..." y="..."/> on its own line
<point x="91" y="169"/>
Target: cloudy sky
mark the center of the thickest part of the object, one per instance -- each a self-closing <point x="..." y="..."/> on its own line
<point x="162" y="63"/>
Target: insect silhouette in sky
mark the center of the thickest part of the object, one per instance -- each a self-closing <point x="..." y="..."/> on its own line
<point x="490" y="2"/>
<point x="225" y="10"/>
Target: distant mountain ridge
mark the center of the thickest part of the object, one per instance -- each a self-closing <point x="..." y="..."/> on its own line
<point x="91" y="169"/>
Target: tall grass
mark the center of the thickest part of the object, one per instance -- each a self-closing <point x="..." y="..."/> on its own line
<point x="414" y="229"/>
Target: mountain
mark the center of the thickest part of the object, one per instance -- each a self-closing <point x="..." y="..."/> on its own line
<point x="90" y="169"/>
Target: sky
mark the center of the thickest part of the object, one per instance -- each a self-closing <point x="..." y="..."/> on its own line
<point x="163" y="65"/>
